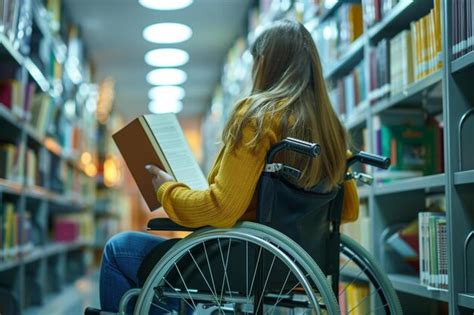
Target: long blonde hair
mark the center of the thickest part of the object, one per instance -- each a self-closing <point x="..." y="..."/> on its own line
<point x="288" y="83"/>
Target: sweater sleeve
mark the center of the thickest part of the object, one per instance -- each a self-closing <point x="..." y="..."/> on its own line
<point x="227" y="199"/>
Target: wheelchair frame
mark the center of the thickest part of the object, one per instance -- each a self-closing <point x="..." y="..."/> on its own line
<point x="279" y="244"/>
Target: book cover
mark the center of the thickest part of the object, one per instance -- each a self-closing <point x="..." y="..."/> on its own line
<point x="159" y="140"/>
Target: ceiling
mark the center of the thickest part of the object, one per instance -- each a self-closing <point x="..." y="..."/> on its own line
<point x="112" y="31"/>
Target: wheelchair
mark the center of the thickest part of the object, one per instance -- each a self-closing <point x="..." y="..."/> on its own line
<point x="293" y="260"/>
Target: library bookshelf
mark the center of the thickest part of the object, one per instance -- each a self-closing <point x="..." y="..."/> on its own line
<point x="47" y="165"/>
<point x="446" y="92"/>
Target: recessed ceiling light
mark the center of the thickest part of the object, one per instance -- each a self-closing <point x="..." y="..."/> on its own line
<point x="169" y="106"/>
<point x="166" y="4"/>
<point x="166" y="57"/>
<point x="167" y="33"/>
<point x="166" y="93"/>
<point x="166" y="77"/>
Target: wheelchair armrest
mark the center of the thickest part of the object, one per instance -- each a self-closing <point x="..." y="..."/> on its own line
<point x="165" y="224"/>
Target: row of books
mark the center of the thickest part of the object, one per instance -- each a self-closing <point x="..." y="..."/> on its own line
<point x="422" y="243"/>
<point x="407" y="57"/>
<point x="376" y="10"/>
<point x="414" y="144"/>
<point x="349" y="92"/>
<point x="35" y="106"/>
<point x="16" y="232"/>
<point x="462" y="27"/>
<point x="433" y="240"/>
<point x="353" y="298"/>
<point x="16" y="166"/>
<point x="72" y="228"/>
<point x="335" y="35"/>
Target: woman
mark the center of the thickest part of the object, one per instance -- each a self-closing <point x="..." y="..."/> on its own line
<point x="288" y="98"/>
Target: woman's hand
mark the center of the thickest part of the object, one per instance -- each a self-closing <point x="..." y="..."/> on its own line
<point x="159" y="176"/>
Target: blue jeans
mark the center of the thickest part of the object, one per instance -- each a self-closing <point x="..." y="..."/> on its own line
<point x="121" y="260"/>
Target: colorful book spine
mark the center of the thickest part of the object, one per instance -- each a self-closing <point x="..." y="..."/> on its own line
<point x="433" y="250"/>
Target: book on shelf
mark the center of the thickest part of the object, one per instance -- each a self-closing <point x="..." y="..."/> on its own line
<point x="401" y="62"/>
<point x="413" y="144"/>
<point x="353" y="298"/>
<point x="348" y="94"/>
<point x="12" y="96"/>
<point x="41" y="113"/>
<point x="16" y="235"/>
<point x="462" y="27"/>
<point x="12" y="160"/>
<point x="433" y="250"/>
<point x="379" y="61"/>
<point x="404" y="242"/>
<point x="340" y="31"/>
<point x="376" y="10"/>
<point x="159" y="140"/>
<point x="69" y="228"/>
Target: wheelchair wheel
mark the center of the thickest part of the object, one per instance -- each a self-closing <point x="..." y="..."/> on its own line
<point x="358" y="269"/>
<point x="236" y="271"/>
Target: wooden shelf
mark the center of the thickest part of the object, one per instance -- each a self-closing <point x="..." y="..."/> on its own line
<point x="466" y="300"/>
<point x="411" y="284"/>
<point x="463" y="63"/>
<point x="464" y="177"/>
<point x="349" y="60"/>
<point x="416" y="183"/>
<point x="411" y="94"/>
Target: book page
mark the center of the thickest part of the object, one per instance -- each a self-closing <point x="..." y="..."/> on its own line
<point x="175" y="148"/>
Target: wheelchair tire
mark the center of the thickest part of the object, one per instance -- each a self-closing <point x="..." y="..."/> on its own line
<point x="307" y="273"/>
<point x="374" y="274"/>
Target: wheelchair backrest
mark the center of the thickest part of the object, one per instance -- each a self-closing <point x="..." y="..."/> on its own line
<point x="309" y="217"/>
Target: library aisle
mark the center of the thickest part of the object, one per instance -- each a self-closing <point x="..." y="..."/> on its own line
<point x="399" y="74"/>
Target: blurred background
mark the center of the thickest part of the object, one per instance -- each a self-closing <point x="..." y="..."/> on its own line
<point x="73" y="72"/>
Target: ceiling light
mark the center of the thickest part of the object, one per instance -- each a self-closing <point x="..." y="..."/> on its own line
<point x="167" y="33"/>
<point x="166" y="57"/>
<point x="168" y="106"/>
<point x="166" y="77"/>
<point x="165" y="4"/>
<point x="166" y="93"/>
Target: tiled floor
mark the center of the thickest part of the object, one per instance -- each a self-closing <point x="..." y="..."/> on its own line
<point x="72" y="300"/>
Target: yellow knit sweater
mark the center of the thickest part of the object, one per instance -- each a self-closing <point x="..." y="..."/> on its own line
<point x="232" y="188"/>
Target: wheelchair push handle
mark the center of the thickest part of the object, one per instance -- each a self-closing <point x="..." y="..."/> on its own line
<point x="296" y="145"/>
<point x="370" y="159"/>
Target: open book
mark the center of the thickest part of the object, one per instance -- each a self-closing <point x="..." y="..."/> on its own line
<point x="159" y="140"/>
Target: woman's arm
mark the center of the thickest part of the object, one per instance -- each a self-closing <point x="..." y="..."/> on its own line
<point x="229" y="196"/>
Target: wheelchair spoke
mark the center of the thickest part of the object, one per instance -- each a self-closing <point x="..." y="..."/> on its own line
<point x="185" y="286"/>
<point x="353" y="280"/>
<point x="281" y="291"/>
<point x="180" y="295"/>
<point x="266" y="282"/>
<point x="202" y="274"/>
<point x="362" y="301"/>
<point x="344" y="265"/>
<point x="209" y="267"/>
<point x="255" y="272"/>
<point x="225" y="280"/>
<point x="246" y="270"/>
<point x="161" y="307"/>
<point x="372" y="311"/>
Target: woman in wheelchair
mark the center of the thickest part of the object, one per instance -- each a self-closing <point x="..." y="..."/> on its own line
<point x="288" y="99"/>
